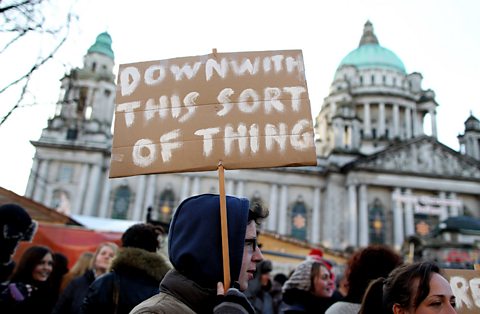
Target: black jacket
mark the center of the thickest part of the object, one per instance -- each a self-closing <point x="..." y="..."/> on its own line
<point x="135" y="276"/>
<point x="71" y="300"/>
<point x="300" y="301"/>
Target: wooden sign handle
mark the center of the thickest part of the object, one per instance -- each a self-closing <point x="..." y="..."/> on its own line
<point x="224" y="227"/>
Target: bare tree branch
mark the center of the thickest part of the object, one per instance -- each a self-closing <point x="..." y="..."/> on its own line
<point x="30" y="14"/>
<point x="14" y="6"/>
<point x="19" y="101"/>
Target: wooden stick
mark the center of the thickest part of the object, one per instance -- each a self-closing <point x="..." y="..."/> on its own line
<point x="224" y="226"/>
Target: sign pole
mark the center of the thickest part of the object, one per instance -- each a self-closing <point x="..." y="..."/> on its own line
<point x="224" y="226"/>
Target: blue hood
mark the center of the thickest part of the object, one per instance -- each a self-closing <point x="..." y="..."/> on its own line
<point x="195" y="243"/>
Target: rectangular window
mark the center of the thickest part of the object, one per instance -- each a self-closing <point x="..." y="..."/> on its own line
<point x="65" y="173"/>
<point x="72" y="134"/>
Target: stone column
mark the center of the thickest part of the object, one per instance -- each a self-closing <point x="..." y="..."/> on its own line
<point x="352" y="216"/>
<point x="367" y="123"/>
<point x="381" y="119"/>
<point x="453" y="209"/>
<point x="282" y="219"/>
<point x="139" y="198"/>
<point x="433" y="118"/>
<point x="398" y="235"/>
<point x="333" y="107"/>
<point x="41" y="181"/>
<point x="273" y="208"/>
<point x="416" y="124"/>
<point x="396" y="121"/>
<point x="91" y="199"/>
<point x="240" y="188"/>
<point x="443" y="209"/>
<point x="149" y="195"/>
<point x="408" y="122"/>
<point x="338" y="134"/>
<point x="196" y="185"/>
<point x="315" y="235"/>
<point x="363" y="216"/>
<point x="47" y="200"/>
<point x="32" y="179"/>
<point x="185" y="193"/>
<point x="230" y="188"/>
<point x="476" y="150"/>
<point x="105" y="200"/>
<point x="81" y="187"/>
<point x="409" y="220"/>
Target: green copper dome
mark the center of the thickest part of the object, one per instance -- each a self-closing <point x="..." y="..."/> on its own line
<point x="103" y="45"/>
<point x="370" y="54"/>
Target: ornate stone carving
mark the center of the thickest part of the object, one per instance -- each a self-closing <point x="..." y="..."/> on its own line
<point x="423" y="157"/>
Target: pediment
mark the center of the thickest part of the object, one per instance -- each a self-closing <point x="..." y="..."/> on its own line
<point x="424" y="156"/>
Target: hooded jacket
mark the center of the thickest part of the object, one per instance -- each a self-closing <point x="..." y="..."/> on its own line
<point x="195" y="250"/>
<point x="135" y="276"/>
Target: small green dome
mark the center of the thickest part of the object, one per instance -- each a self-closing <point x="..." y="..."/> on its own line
<point x="103" y="45"/>
<point x="370" y="54"/>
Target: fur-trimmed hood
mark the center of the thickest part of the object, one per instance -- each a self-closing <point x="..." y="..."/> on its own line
<point x="152" y="264"/>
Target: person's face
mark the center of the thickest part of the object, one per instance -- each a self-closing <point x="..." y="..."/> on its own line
<point x="104" y="257"/>
<point x="440" y="299"/>
<point x="323" y="285"/>
<point x="251" y="256"/>
<point x="264" y="279"/>
<point x="43" y="269"/>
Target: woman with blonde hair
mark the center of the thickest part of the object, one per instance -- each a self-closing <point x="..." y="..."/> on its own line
<point x="82" y="264"/>
<point x="71" y="299"/>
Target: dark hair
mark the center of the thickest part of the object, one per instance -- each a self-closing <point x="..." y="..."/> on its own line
<point x="30" y="258"/>
<point x="280" y="278"/>
<point x="366" y="265"/>
<point x="141" y="236"/>
<point x="257" y="212"/>
<point x="399" y="287"/>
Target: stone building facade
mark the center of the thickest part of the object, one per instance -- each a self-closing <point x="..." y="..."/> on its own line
<point x="379" y="178"/>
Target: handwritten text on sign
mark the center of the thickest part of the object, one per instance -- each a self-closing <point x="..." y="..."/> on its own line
<point x="465" y="285"/>
<point x="247" y="110"/>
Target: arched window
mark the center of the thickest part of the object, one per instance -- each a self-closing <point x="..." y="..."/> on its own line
<point x="121" y="202"/>
<point x="167" y="203"/>
<point x="299" y="220"/>
<point x="376" y="223"/>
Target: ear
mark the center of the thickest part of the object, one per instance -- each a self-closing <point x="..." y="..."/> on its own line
<point x="397" y="309"/>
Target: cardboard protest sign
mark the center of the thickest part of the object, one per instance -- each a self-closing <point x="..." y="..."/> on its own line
<point x="465" y="285"/>
<point x="247" y="110"/>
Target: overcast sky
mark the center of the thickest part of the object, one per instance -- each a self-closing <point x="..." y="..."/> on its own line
<point x="438" y="38"/>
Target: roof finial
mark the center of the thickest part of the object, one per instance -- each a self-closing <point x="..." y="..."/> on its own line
<point x="368" y="36"/>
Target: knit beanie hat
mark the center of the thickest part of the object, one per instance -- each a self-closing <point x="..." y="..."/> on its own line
<point x="301" y="277"/>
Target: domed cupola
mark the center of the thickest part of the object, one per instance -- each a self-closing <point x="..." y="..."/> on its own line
<point x="370" y="54"/>
<point x="103" y="45"/>
<point x="472" y="123"/>
<point x="470" y="140"/>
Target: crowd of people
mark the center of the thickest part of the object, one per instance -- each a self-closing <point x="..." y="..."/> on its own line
<point x="136" y="278"/>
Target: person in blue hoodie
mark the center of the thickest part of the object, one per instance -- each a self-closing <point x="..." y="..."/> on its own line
<point x="195" y="251"/>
